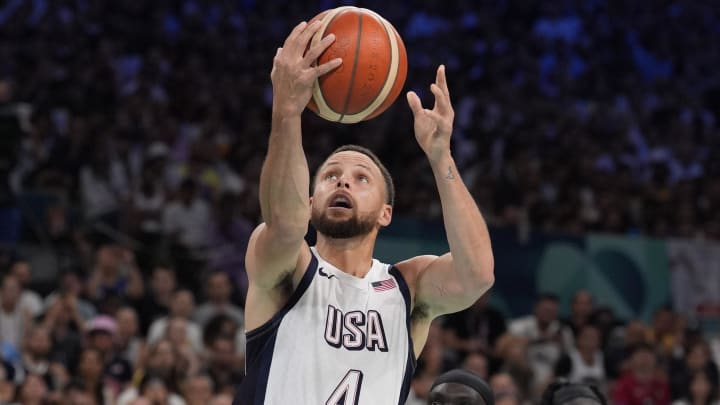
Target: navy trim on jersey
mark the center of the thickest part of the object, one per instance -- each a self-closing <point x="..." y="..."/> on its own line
<point x="261" y="345"/>
<point x="253" y="386"/>
<point x="411" y="362"/>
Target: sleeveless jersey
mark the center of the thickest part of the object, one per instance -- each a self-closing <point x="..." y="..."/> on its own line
<point x="582" y="372"/>
<point x="339" y="340"/>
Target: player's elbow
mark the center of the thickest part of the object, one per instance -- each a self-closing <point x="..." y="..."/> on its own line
<point x="481" y="275"/>
<point x="470" y="289"/>
<point x="482" y="283"/>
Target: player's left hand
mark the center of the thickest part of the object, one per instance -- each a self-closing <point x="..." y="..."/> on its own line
<point x="433" y="128"/>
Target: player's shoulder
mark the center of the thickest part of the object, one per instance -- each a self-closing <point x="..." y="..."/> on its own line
<point x="412" y="268"/>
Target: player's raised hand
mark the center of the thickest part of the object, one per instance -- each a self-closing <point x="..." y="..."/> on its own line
<point x="294" y="72"/>
<point x="433" y="128"/>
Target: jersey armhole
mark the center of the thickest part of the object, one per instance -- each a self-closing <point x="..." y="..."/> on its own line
<point x="411" y="363"/>
<point x="405" y="291"/>
<point x="294" y="298"/>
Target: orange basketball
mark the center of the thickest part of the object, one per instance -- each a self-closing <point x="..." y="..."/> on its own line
<point x="373" y="70"/>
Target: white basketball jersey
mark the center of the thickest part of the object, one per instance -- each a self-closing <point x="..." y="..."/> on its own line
<point x="339" y="340"/>
<point x="581" y="372"/>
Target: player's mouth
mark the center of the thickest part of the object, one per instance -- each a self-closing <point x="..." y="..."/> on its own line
<point x="341" y="202"/>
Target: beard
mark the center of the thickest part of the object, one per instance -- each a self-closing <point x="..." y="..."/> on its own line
<point x="341" y="228"/>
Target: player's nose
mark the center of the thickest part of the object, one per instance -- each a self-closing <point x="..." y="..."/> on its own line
<point x="342" y="183"/>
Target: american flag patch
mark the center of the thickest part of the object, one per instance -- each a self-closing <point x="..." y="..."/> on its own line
<point x="384" y="285"/>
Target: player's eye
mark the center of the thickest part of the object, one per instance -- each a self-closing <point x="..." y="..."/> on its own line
<point x="363" y="179"/>
<point x="331" y="177"/>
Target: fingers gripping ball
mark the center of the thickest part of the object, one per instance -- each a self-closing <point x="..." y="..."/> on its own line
<point x="373" y="71"/>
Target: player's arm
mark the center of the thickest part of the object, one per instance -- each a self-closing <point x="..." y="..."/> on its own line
<point x="455" y="280"/>
<point x="285" y="180"/>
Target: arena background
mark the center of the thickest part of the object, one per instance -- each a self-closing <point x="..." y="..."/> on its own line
<point x="587" y="131"/>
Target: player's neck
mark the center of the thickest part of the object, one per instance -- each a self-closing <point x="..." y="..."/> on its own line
<point x="353" y="256"/>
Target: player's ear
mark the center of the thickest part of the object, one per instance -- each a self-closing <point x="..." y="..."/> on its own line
<point x="385" y="215"/>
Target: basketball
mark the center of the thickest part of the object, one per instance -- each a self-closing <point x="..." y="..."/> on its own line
<point x="373" y="71"/>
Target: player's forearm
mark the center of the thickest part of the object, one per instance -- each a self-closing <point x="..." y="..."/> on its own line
<point x="465" y="227"/>
<point x="285" y="180"/>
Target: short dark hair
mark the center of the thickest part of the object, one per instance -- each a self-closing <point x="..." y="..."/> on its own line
<point x="74" y="384"/>
<point x="547" y="296"/>
<point x="389" y="185"/>
<point x="642" y="347"/>
<point x="188" y="184"/>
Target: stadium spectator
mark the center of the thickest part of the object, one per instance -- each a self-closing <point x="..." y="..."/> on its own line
<point x="697" y="359"/>
<point x="146" y="206"/>
<point x="74" y="393"/>
<point x="90" y="371"/>
<point x="7" y="382"/>
<point x="36" y="358"/>
<point x="543" y="332"/>
<point x="186" y="223"/>
<point x="584" y="363"/>
<point x="224" y="325"/>
<point x="664" y="334"/>
<point x="128" y="341"/>
<point x="420" y="387"/>
<point x="14" y="319"/>
<point x="477" y="363"/>
<point x="69" y="291"/>
<point x="115" y="275"/>
<point x="474" y="329"/>
<point x="618" y="356"/>
<point x="643" y="382"/>
<point x="198" y="389"/>
<point x="33" y="391"/>
<point x="229" y="238"/>
<point x="701" y="389"/>
<point x="221" y="399"/>
<point x="505" y="390"/>
<point x="156" y="301"/>
<point x="66" y="327"/>
<point x="219" y="293"/>
<point x="513" y="351"/>
<point x="28" y="298"/>
<point x="161" y="361"/>
<point x="103" y="186"/>
<point x="223" y="364"/>
<point x="154" y="389"/>
<point x="101" y="335"/>
<point x="182" y="306"/>
<point x="581" y="309"/>
<point x="177" y="334"/>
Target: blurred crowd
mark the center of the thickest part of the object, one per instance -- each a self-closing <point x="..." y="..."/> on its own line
<point x="132" y="135"/>
<point x="113" y="338"/>
<point x="667" y="361"/>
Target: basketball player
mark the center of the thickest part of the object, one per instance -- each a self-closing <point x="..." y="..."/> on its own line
<point x="329" y="324"/>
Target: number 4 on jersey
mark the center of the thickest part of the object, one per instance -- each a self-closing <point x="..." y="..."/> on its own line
<point x="348" y="391"/>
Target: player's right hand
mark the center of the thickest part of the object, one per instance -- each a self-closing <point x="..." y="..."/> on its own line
<point x="294" y="70"/>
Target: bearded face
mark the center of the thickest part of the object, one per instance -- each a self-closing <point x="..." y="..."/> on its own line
<point x="341" y="227"/>
<point x="349" y="197"/>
